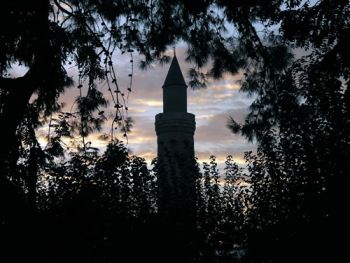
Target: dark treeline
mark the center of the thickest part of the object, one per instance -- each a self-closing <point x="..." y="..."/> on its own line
<point x="103" y="208"/>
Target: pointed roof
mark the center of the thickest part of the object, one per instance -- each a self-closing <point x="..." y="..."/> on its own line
<point x="174" y="76"/>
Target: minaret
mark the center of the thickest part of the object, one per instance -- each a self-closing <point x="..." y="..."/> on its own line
<point x="175" y="130"/>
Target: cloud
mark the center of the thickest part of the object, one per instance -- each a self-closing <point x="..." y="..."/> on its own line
<point x="150" y="103"/>
<point x="212" y="106"/>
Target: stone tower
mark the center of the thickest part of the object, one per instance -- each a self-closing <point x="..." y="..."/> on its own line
<point x="175" y="130"/>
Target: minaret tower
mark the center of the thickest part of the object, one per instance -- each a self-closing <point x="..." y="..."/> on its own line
<point x="175" y="130"/>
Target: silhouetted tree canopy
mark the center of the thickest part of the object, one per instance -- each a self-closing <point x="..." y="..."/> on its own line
<point x="294" y="60"/>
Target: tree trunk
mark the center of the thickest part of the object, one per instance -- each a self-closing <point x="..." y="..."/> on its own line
<point x="14" y="107"/>
<point x="17" y="94"/>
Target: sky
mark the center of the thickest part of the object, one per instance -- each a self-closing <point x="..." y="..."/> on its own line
<point x="212" y="107"/>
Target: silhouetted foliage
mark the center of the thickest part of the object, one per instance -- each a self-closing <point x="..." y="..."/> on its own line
<point x="301" y="124"/>
<point x="87" y="204"/>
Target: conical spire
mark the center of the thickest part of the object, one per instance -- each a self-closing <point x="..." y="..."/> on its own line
<point x="174" y="77"/>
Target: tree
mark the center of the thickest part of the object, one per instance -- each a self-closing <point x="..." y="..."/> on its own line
<point x="48" y="35"/>
<point x="95" y="205"/>
<point x="300" y="121"/>
<point x="299" y="118"/>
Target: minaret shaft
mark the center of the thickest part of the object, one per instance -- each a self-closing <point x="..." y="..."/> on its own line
<point x="175" y="129"/>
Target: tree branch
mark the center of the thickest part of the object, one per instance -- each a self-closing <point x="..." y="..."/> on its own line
<point x="6" y="84"/>
<point x="63" y="9"/>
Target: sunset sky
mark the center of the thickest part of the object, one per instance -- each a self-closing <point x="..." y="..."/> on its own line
<point x="212" y="106"/>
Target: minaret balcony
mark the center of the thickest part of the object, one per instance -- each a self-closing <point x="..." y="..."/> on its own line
<point x="175" y="122"/>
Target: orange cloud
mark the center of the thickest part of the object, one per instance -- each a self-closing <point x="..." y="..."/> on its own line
<point x="150" y="103"/>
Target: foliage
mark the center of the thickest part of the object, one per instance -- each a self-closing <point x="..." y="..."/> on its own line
<point x="107" y="203"/>
<point x="300" y="122"/>
<point x="299" y="116"/>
